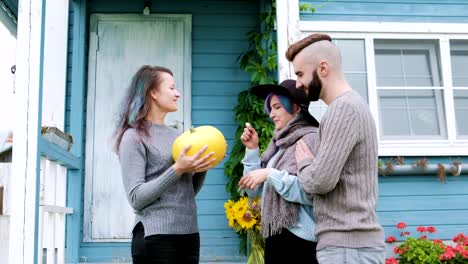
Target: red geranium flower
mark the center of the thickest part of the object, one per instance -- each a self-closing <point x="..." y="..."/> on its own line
<point x="401" y="225"/>
<point x="398" y="250"/>
<point x="421" y="229"/>
<point x="391" y="239"/>
<point x="460" y="238"/>
<point x="438" y="242"/>
<point x="431" y="229"/>
<point x="391" y="261"/>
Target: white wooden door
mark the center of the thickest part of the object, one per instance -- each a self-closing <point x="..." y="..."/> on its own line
<point x="119" y="45"/>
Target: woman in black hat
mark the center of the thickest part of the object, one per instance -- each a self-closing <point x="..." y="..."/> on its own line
<point x="287" y="221"/>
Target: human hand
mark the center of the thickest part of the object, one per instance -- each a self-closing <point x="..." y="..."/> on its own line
<point x="193" y="163"/>
<point x="249" y="137"/>
<point x="302" y="151"/>
<point x="254" y="178"/>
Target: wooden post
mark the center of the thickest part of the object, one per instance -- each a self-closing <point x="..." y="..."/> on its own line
<point x="287" y="20"/>
<point x="25" y="164"/>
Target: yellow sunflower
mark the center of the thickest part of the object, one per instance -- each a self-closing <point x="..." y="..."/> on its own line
<point x="247" y="221"/>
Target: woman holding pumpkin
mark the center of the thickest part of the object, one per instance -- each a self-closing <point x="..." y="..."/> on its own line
<point x="161" y="191"/>
<point x="287" y="221"/>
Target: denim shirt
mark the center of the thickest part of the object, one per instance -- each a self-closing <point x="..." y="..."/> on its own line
<point x="289" y="187"/>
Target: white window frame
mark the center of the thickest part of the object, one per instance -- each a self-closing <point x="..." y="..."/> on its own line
<point x="443" y="32"/>
<point x="436" y="78"/>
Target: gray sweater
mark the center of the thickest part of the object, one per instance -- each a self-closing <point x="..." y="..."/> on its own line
<point x="343" y="176"/>
<point x="162" y="201"/>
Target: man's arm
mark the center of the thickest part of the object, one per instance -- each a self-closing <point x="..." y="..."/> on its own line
<point x="339" y="135"/>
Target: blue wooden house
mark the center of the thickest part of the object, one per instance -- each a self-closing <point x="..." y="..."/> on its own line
<point x="408" y="59"/>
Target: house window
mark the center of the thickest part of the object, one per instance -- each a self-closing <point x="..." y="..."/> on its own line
<point x="409" y="89"/>
<point x="414" y="77"/>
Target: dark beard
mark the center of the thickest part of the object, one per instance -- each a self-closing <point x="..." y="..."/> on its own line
<point x="314" y="87"/>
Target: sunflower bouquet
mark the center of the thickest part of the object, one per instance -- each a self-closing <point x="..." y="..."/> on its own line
<point x="244" y="217"/>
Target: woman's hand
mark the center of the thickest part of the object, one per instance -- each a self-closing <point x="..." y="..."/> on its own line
<point x="254" y="178"/>
<point x="249" y="137"/>
<point x="193" y="163"/>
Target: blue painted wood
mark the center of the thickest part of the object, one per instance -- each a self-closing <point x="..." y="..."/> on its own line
<point x="216" y="245"/>
<point x="213" y="102"/>
<point x="431" y="187"/>
<point x="39" y="137"/>
<point x="389" y="11"/>
<point x="423" y="202"/>
<point x="225" y="88"/>
<point x="75" y="121"/>
<point x="218" y="117"/>
<point x="61" y="156"/>
<point x="234" y="47"/>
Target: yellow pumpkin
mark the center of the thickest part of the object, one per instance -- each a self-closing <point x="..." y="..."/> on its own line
<point x="199" y="137"/>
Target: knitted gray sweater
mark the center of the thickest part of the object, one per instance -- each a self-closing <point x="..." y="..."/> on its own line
<point x="162" y="201"/>
<point x="343" y="176"/>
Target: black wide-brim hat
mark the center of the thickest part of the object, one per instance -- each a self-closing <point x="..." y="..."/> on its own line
<point x="288" y="89"/>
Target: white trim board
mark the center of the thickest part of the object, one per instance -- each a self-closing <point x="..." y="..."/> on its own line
<point x="383" y="27"/>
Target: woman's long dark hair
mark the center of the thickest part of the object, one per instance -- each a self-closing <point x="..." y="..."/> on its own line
<point x="136" y="103"/>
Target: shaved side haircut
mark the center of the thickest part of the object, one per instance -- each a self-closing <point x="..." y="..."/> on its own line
<point x="297" y="47"/>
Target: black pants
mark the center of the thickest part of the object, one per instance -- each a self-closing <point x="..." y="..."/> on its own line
<point x="164" y="249"/>
<point x="289" y="248"/>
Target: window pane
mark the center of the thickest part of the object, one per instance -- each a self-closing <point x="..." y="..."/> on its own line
<point x="461" y="111"/>
<point x="412" y="113"/>
<point x="395" y="122"/>
<point x="352" y="51"/>
<point x="358" y="82"/>
<point x="425" y="122"/>
<point x="459" y="58"/>
<point x="389" y="68"/>
<point x="407" y="63"/>
<point x="354" y="64"/>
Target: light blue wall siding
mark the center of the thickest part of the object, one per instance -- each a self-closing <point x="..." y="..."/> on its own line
<point x="389" y="10"/>
<point x="424" y="201"/>
<point x="218" y="36"/>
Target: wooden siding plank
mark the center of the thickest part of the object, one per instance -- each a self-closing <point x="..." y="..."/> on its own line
<point x="401" y="11"/>
<point x="75" y="125"/>
<point x="210" y="192"/>
<point x="204" y="7"/>
<point x="215" y="60"/>
<point x="424" y="218"/>
<point x="219" y="117"/>
<point x="223" y="88"/>
<point x="219" y="47"/>
<point x="422" y="188"/>
<point x="223" y="33"/>
<point x="214" y="102"/>
<point x="423" y="202"/>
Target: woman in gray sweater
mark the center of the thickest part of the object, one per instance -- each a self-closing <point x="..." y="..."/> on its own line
<point x="161" y="191"/>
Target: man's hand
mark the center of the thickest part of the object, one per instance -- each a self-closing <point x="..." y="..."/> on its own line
<point x="254" y="178"/>
<point x="302" y="151"/>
